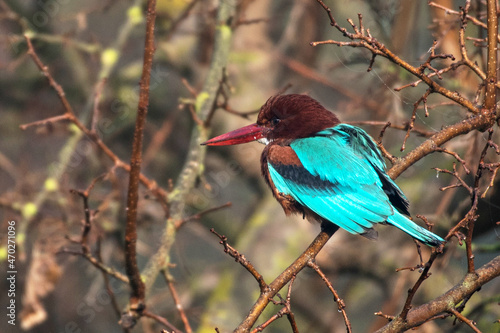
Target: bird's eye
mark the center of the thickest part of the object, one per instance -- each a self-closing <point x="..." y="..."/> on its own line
<point x="275" y="121"/>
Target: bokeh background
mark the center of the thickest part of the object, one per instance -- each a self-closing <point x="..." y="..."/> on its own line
<point x="84" y="42"/>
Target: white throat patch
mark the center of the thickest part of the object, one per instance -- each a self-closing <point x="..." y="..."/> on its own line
<point x="264" y="141"/>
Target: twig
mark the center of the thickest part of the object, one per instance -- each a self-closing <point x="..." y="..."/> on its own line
<point x="457" y="157"/>
<point x="336" y="297"/>
<point x="381" y="146"/>
<point x="137" y="297"/>
<point x="454" y="173"/>
<point x="110" y="292"/>
<point x="199" y="215"/>
<point x="87" y="212"/>
<point x="490" y="96"/>
<point x="86" y="223"/>
<point x="388" y="317"/>
<point x="468" y="286"/>
<point x="429" y="146"/>
<point x="422" y="100"/>
<point x="98" y="264"/>
<point x="328" y="229"/>
<point x="69" y="114"/>
<point x="385" y="124"/>
<point x="483" y="117"/>
<point x="97" y="97"/>
<point x="239" y="258"/>
<point x="46" y="121"/>
<point x="161" y="320"/>
<point x="285" y="311"/>
<point x="423" y="276"/>
<point x="193" y="165"/>
<point x="365" y="40"/>
<point x="461" y="317"/>
<point x="312" y="74"/>
<point x="175" y="296"/>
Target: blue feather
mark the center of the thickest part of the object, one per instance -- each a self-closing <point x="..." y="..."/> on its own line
<point x="342" y="179"/>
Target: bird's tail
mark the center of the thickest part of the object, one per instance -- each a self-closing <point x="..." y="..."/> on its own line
<point x="411" y="228"/>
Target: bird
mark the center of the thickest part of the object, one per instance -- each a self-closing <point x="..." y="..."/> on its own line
<point x="325" y="170"/>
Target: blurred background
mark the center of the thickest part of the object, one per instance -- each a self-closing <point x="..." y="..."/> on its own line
<point x="94" y="51"/>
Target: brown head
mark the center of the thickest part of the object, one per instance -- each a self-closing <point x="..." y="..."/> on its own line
<point x="282" y="117"/>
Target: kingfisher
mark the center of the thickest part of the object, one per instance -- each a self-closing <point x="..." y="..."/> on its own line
<point x="325" y="170"/>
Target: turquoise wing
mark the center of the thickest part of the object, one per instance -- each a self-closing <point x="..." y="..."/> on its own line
<point x="341" y="178"/>
<point x="337" y="180"/>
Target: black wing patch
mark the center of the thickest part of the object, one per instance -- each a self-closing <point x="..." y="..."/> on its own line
<point x="396" y="197"/>
<point x="300" y="176"/>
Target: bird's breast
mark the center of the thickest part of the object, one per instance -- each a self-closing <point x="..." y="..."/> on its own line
<point x="281" y="157"/>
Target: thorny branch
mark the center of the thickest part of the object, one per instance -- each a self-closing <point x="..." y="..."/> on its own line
<point x="83" y="242"/>
<point x="285" y="311"/>
<point x="336" y="298"/>
<point x="69" y="115"/>
<point x="279" y="282"/>
<point x="238" y="257"/>
<point x="180" y="309"/>
<point x="482" y="118"/>
<point x="461" y="317"/>
<point x="470" y="284"/>
<point x="362" y="38"/>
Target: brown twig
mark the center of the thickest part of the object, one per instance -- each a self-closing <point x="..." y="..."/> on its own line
<point x="240" y="258"/>
<point x="47" y="121"/>
<point x="86" y="223"/>
<point x="469" y="285"/>
<point x="365" y="40"/>
<point x="69" y="114"/>
<point x="483" y="118"/>
<point x="457" y="157"/>
<point x="411" y="124"/>
<point x="98" y="264"/>
<point x="457" y="13"/>
<point x="461" y="317"/>
<point x="158" y="139"/>
<point x="490" y="96"/>
<point x="285" y="311"/>
<point x="429" y="146"/>
<point x="385" y="124"/>
<point x="454" y="173"/>
<point x="381" y="146"/>
<point x="175" y="296"/>
<point x="388" y="317"/>
<point x="420" y="265"/>
<point x="423" y="276"/>
<point x="194" y="163"/>
<point x="137" y="302"/>
<point x="336" y="298"/>
<point x="110" y="292"/>
<point x="312" y="74"/>
<point x="199" y="215"/>
<point x="328" y="229"/>
<point x="161" y="320"/>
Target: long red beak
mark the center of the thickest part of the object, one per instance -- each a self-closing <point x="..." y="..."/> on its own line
<point x="241" y="135"/>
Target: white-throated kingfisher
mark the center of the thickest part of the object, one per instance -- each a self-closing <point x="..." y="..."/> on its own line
<point x="325" y="170"/>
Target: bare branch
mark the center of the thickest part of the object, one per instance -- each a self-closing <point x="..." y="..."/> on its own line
<point x="138" y="293"/>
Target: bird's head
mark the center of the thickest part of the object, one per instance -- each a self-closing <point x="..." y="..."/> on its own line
<point x="281" y="118"/>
